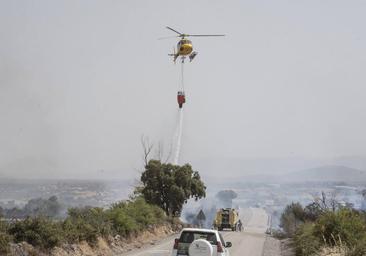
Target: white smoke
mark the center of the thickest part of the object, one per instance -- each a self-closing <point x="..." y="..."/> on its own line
<point x="178" y="137"/>
<point x="179" y="128"/>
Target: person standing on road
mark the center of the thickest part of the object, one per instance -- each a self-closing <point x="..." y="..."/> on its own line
<point x="240" y="225"/>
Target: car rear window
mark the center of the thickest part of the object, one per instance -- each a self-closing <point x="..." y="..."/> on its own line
<point x="190" y="236"/>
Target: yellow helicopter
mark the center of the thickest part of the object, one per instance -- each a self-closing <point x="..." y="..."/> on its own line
<point x="184" y="46"/>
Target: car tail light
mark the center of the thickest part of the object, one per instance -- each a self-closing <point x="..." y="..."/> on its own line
<point x="176" y="242"/>
<point x="219" y="247"/>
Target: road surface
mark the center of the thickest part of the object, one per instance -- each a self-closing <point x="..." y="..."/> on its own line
<point x="247" y="243"/>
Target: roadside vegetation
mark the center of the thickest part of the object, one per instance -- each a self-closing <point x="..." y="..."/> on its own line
<point x="325" y="226"/>
<point x="158" y="200"/>
<point x="86" y="224"/>
<point x="4" y="238"/>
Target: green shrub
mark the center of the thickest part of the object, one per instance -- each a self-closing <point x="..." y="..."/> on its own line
<point x="144" y="214"/>
<point x="79" y="230"/>
<point x="359" y="249"/>
<point x="123" y="224"/>
<point x="292" y="217"/>
<point x="128" y="217"/>
<point x="343" y="226"/>
<point x="313" y="211"/>
<point x="86" y="224"/>
<point x="122" y="218"/>
<point x="319" y="226"/>
<point x="5" y="239"/>
<point x="306" y="243"/>
<point x="38" y="231"/>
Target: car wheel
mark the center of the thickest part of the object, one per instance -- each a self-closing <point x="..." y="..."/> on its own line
<point x="200" y="247"/>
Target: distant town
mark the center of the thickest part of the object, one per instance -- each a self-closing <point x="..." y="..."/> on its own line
<point x="273" y="196"/>
<point x="71" y="193"/>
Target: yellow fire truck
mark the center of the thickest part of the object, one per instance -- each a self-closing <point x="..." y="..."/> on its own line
<point x="226" y="219"/>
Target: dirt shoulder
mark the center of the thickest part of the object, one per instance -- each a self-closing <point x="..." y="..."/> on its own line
<point x="272" y="247"/>
<point x="287" y="248"/>
<point x="275" y="247"/>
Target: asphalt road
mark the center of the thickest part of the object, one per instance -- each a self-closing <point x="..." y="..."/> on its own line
<point x="246" y="243"/>
<point x="249" y="242"/>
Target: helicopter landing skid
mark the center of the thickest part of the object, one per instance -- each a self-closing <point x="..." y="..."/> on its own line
<point x="191" y="57"/>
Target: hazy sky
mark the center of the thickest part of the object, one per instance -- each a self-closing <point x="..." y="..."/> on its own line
<point x="81" y="81"/>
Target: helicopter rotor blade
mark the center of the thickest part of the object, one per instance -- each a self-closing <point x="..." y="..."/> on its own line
<point x="205" y="35"/>
<point x="174" y="30"/>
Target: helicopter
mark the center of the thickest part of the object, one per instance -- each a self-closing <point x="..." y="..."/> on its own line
<point x="184" y="46"/>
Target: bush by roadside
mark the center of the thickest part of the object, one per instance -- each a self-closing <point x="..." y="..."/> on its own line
<point x="5" y="238"/>
<point x="84" y="224"/>
<point x="330" y="229"/>
<point x="306" y="243"/>
<point x="129" y="218"/>
<point x="38" y="231"/>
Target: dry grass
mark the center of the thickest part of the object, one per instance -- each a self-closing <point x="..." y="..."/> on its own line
<point x="333" y="251"/>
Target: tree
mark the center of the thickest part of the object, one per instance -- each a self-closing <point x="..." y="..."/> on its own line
<point x="170" y="186"/>
<point x="292" y="217"/>
<point x="313" y="211"/>
<point x="147" y="147"/>
<point x="36" y="207"/>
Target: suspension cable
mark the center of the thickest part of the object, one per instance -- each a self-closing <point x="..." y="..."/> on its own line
<point x="182" y="73"/>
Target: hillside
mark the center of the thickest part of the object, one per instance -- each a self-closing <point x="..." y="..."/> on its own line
<point x="329" y="173"/>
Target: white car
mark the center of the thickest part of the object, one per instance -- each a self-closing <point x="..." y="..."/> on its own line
<point x="200" y="242"/>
